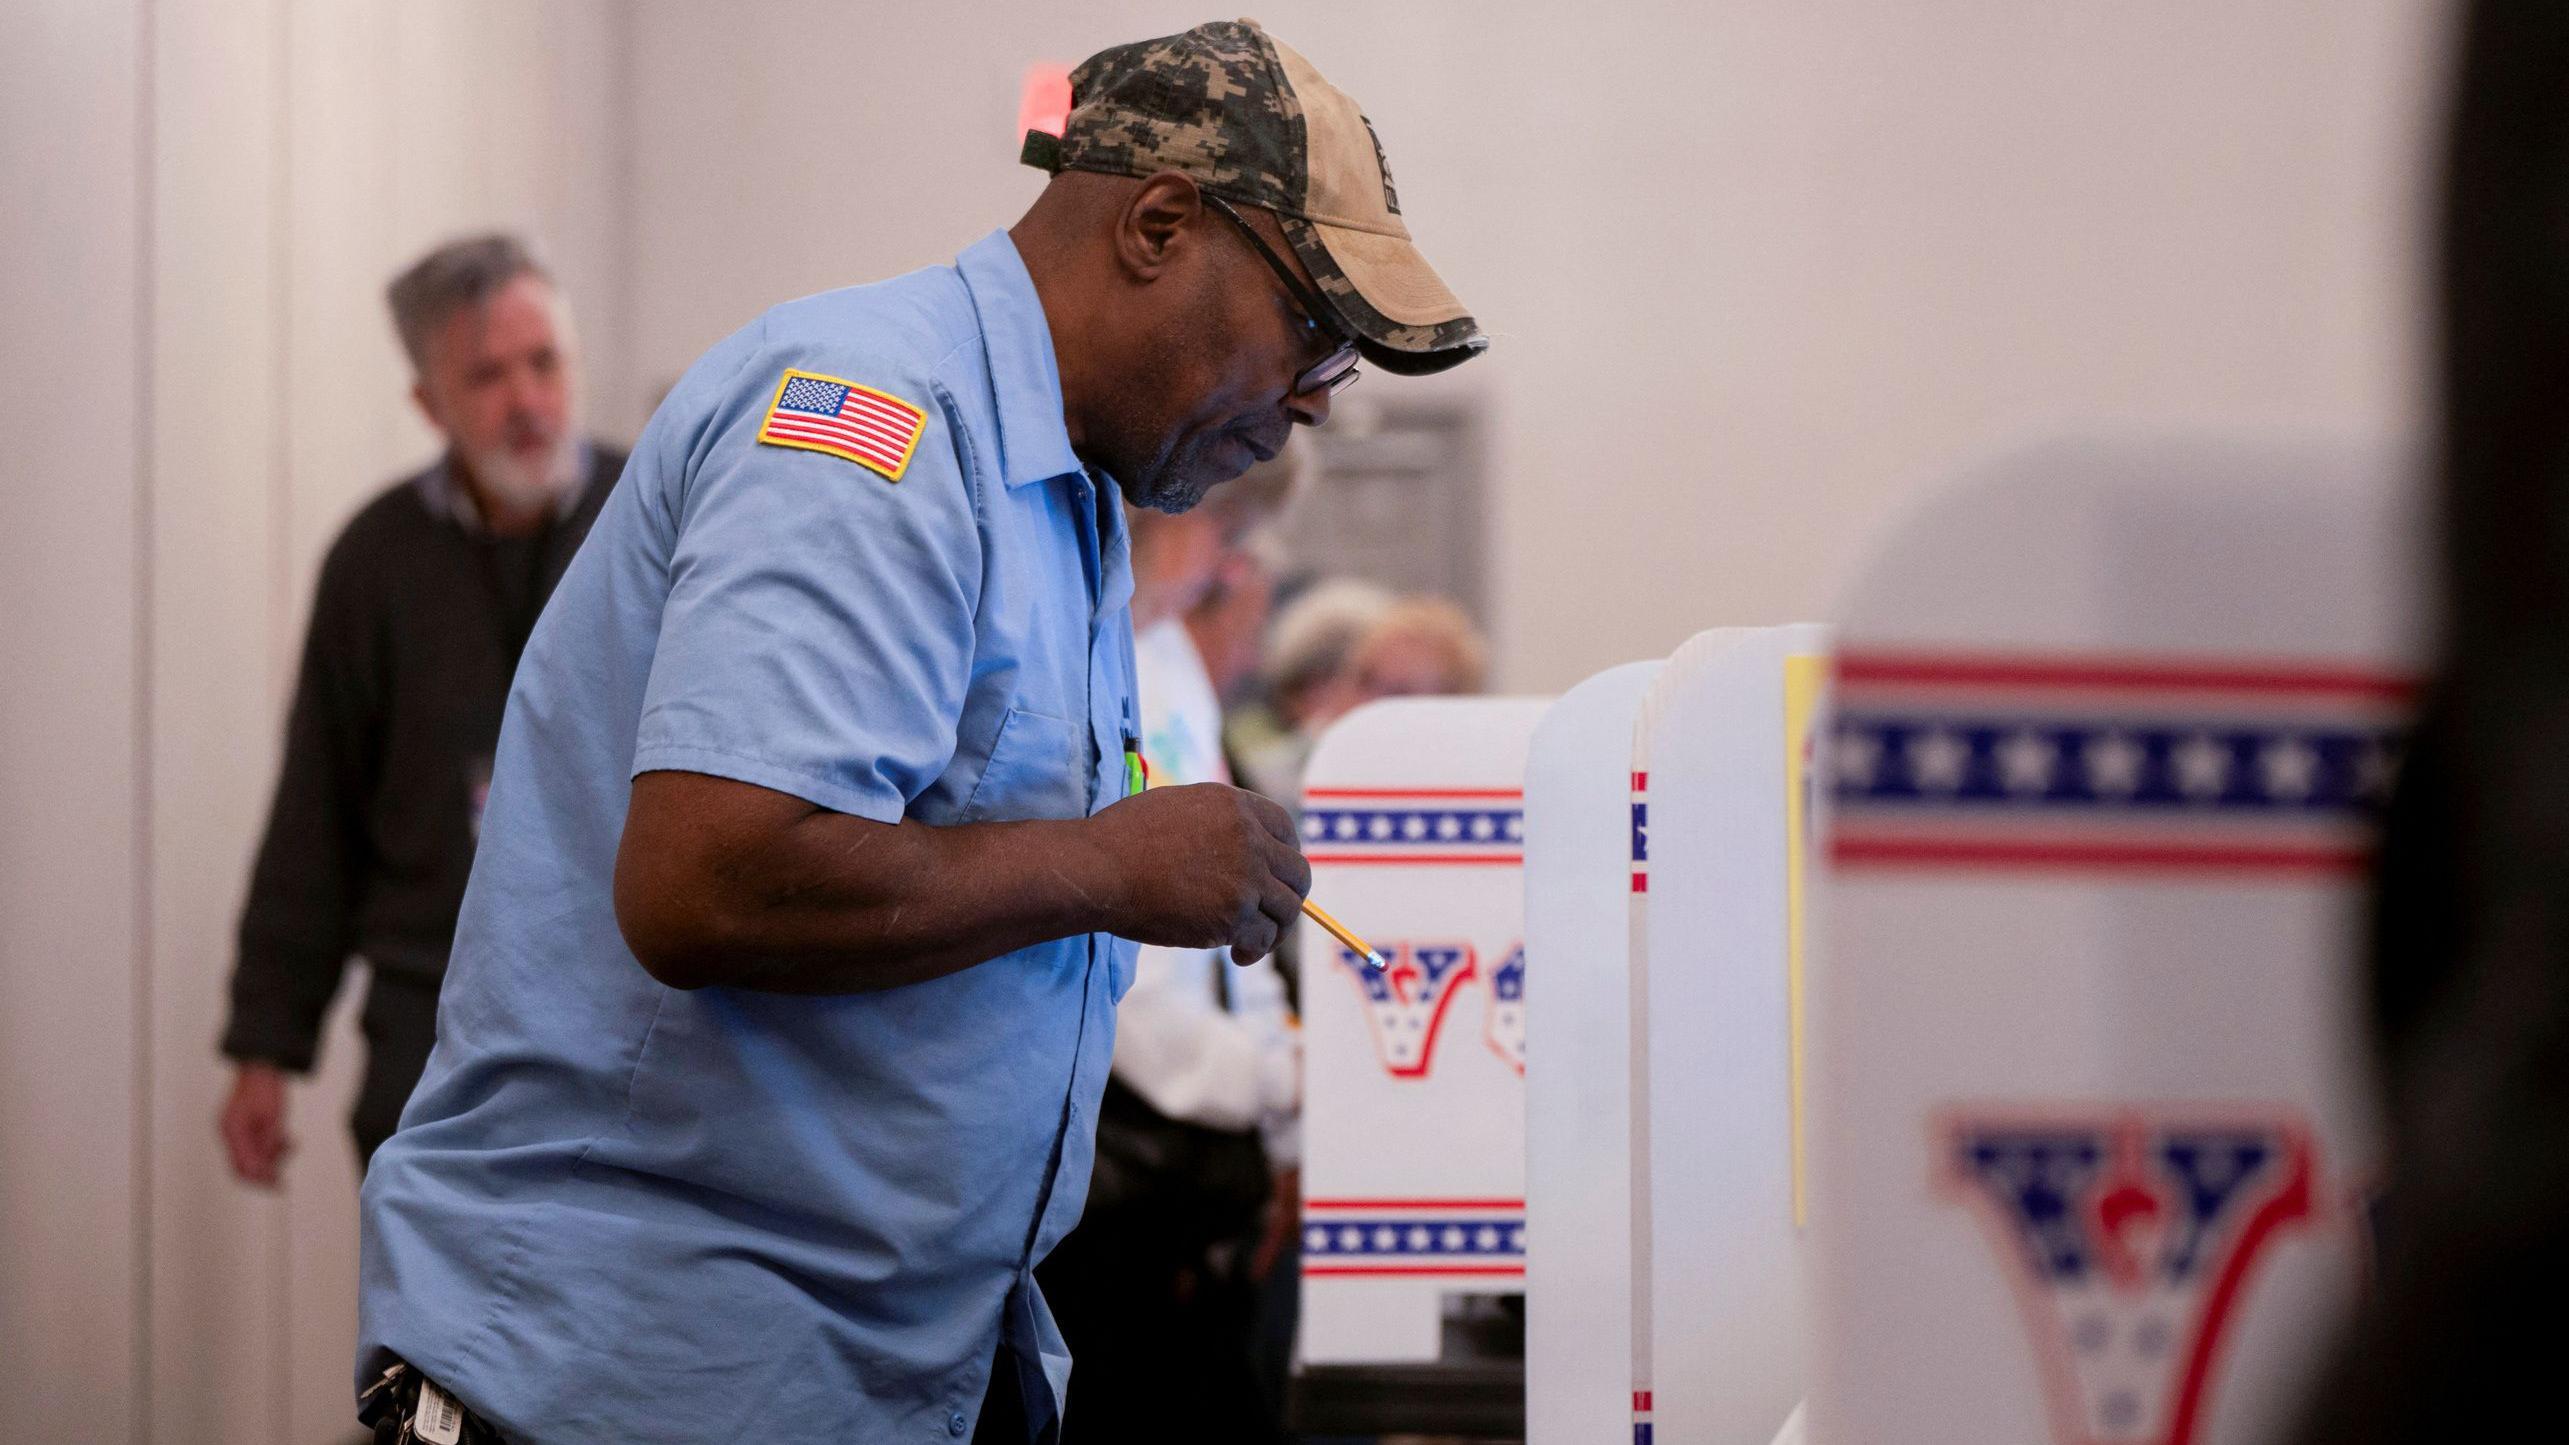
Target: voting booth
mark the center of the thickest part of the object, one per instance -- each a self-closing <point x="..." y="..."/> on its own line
<point x="2109" y="737"/>
<point x="1721" y="749"/>
<point x="1666" y="1297"/>
<point x="1413" y="1238"/>
<point x="1582" y="834"/>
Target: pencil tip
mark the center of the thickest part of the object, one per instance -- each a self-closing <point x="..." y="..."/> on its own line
<point x="1375" y="959"/>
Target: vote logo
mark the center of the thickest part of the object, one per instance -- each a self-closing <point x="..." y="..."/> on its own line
<point x="2129" y="1238"/>
<point x="1406" y="999"/>
<point x="1506" y="1026"/>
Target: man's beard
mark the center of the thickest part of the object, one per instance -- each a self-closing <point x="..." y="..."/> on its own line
<point x="524" y="484"/>
<point x="1173" y="483"/>
<point x="1176" y="479"/>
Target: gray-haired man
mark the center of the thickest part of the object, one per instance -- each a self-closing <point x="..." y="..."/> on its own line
<point x="424" y="604"/>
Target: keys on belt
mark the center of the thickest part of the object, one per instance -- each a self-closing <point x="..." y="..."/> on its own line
<point x="405" y="1407"/>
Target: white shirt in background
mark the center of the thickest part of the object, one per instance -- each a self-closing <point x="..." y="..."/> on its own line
<point x="1175" y="1044"/>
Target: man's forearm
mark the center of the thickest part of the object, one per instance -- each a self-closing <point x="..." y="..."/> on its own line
<point x="804" y="900"/>
<point x="722" y="883"/>
<point x="930" y="902"/>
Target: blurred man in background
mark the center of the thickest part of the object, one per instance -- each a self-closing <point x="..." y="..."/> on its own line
<point x="424" y="603"/>
<point x="1197" y="1138"/>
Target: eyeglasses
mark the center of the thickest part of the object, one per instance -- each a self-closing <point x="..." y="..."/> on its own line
<point x="1331" y="374"/>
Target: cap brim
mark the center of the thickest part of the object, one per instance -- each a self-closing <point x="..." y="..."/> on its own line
<point x="1406" y="319"/>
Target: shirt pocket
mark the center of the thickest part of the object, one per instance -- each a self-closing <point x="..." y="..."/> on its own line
<point x="1038" y="768"/>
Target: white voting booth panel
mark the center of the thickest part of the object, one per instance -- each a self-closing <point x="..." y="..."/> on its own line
<point x="1579" y="831"/>
<point x="1414" y="1093"/>
<point x="1665" y="1300"/>
<point x="1639" y="1226"/>
<point x="1725" y="733"/>
<point x="2110" y="731"/>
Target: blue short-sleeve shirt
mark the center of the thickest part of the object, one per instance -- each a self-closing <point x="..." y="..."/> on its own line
<point x="621" y="1211"/>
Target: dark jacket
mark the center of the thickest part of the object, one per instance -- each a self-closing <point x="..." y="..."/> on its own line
<point x="416" y="629"/>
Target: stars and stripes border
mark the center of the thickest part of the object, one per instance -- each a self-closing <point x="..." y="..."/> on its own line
<point x="1640" y="832"/>
<point x="1414" y="826"/>
<point x="2110" y="763"/>
<point x="1410" y="1238"/>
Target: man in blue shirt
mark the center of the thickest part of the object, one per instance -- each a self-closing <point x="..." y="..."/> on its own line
<point x="783" y="994"/>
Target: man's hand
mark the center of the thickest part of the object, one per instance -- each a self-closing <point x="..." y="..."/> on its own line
<point x="1204" y="866"/>
<point x="253" y="1124"/>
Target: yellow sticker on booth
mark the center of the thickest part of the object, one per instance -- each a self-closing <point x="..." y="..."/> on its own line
<point x="1805" y="675"/>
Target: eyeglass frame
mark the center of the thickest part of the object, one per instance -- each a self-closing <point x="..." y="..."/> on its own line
<point x="1316" y="313"/>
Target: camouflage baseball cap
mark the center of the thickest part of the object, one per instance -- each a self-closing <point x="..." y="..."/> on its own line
<point x="1253" y="123"/>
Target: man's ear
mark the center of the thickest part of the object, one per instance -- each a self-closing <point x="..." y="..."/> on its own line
<point x="1149" y="231"/>
<point x="427" y="408"/>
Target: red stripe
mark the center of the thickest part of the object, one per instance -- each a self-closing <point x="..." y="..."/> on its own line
<point x="1641" y="1399"/>
<point x="1512" y="1271"/>
<point x="858" y="396"/>
<point x="1641" y="782"/>
<point x="2125" y="674"/>
<point x="1861" y="852"/>
<point x="900" y="431"/>
<point x="1413" y="1204"/>
<point x="1413" y="792"/>
<point x="832" y="424"/>
<point x="868" y="401"/>
<point x="865" y="445"/>
<point x="839" y="440"/>
<point x="1641" y="883"/>
<point x="2292" y="1204"/>
<point x="895" y="441"/>
<point x="1512" y="860"/>
<point x="891" y="426"/>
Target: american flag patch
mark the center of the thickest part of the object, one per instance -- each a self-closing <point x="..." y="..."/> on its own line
<point x="825" y="414"/>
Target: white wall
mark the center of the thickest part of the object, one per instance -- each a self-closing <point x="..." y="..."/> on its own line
<point x="71" y="886"/>
<point x="1754" y="269"/>
<point x="200" y="203"/>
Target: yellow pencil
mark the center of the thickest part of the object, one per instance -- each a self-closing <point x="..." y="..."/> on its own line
<point x="1339" y="931"/>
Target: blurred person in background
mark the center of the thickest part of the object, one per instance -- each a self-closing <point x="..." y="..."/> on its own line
<point x="1230" y="628"/>
<point x="424" y="602"/>
<point x="1309" y="680"/>
<point x="1229" y="624"/>
<point x="2469" y="969"/>
<point x="1197" y="1139"/>
<point x="1421" y="647"/>
<point x="1345" y="643"/>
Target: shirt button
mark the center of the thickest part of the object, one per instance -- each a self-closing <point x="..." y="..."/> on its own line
<point x="955" y="1423"/>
